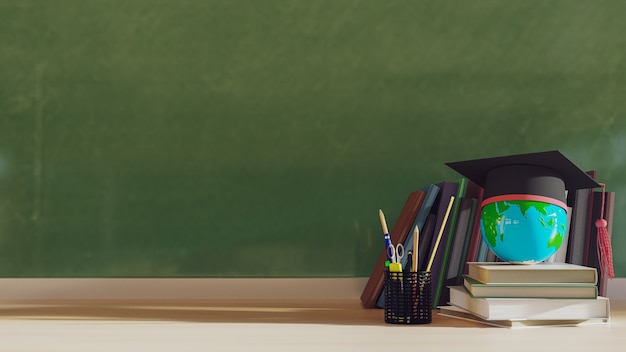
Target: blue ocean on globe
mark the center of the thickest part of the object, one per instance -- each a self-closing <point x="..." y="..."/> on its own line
<point x="523" y="231"/>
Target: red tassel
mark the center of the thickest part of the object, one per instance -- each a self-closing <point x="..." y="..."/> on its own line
<point x="605" y="251"/>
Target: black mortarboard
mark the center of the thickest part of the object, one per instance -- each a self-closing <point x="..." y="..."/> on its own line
<point x="546" y="174"/>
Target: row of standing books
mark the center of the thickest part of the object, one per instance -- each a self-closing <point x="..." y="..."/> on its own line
<point x="461" y="241"/>
<point x="546" y="294"/>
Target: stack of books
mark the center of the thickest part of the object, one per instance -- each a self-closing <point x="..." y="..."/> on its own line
<point x="517" y="295"/>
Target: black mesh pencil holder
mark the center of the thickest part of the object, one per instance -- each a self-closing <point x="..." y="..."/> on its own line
<point x="408" y="297"/>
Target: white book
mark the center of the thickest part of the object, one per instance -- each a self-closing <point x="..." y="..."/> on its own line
<point x="530" y="308"/>
<point x="460" y="313"/>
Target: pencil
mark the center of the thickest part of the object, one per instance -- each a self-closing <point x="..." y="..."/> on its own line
<point x="443" y="225"/>
<point x="383" y="222"/>
<point x="416" y="233"/>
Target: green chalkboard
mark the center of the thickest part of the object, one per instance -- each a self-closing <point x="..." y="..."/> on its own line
<point x="253" y="138"/>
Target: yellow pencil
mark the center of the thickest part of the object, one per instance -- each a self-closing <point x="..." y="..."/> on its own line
<point x="416" y="234"/>
<point x="383" y="222"/>
<point x="443" y="225"/>
<point x="388" y="243"/>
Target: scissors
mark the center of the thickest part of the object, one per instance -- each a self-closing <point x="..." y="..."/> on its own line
<point x="395" y="253"/>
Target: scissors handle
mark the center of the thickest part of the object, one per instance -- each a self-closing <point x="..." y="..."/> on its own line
<point x="391" y="253"/>
<point x="399" y="252"/>
<point x="395" y="253"/>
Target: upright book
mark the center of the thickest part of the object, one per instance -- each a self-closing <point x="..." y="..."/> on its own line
<point x="530" y="308"/>
<point x="458" y="243"/>
<point x="476" y="236"/>
<point x="474" y="192"/>
<point x="504" y="272"/>
<point x="426" y="237"/>
<point x="590" y="223"/>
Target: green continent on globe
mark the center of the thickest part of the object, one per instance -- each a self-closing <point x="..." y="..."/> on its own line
<point x="556" y="241"/>
<point x="525" y="205"/>
<point x="491" y="217"/>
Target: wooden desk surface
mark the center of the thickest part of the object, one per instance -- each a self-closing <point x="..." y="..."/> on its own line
<point x="266" y="325"/>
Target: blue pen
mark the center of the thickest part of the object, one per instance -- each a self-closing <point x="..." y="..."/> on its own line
<point x="388" y="243"/>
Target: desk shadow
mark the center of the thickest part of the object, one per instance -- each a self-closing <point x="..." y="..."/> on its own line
<point x="331" y="312"/>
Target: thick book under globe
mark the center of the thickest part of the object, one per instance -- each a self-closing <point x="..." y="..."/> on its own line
<point x="505" y="272"/>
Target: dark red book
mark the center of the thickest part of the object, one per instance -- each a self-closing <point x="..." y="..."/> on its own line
<point x="398" y="234"/>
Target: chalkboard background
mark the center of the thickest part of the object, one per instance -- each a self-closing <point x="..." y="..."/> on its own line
<point x="260" y="138"/>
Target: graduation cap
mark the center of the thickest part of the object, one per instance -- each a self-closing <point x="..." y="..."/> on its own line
<point x="536" y="176"/>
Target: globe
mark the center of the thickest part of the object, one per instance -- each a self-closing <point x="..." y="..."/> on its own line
<point x="523" y="231"/>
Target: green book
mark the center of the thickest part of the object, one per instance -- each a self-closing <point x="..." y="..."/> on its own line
<point x="529" y="290"/>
